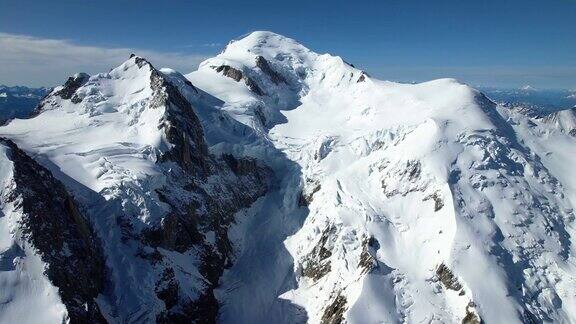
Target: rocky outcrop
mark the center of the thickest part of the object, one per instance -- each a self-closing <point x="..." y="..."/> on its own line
<point x="237" y="76"/>
<point x="471" y="316"/>
<point x="318" y="264"/>
<point x="367" y="257"/>
<point x="54" y="225"/>
<point x="71" y="85"/>
<point x="437" y="198"/>
<point x="181" y="126"/>
<point x="403" y="178"/>
<point x="307" y="195"/>
<point x="263" y="65"/>
<point x="230" y="72"/>
<point x="184" y="229"/>
<point x="447" y="277"/>
<point x="334" y="313"/>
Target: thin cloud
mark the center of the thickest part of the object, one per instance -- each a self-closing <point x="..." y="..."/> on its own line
<point x="212" y="45"/>
<point x="206" y="45"/>
<point x="33" y="61"/>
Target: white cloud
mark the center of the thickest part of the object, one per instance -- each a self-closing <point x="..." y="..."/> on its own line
<point x="27" y="60"/>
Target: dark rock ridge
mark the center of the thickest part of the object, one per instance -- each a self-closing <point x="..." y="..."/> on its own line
<point x="306" y="198"/>
<point x="237" y="75"/>
<point x="62" y="236"/>
<point x="71" y="85"/>
<point x="181" y="125"/>
<point x="447" y="277"/>
<point x="437" y="198"/>
<point x="334" y="313"/>
<point x="230" y="72"/>
<point x="197" y="206"/>
<point x="265" y="67"/>
<point x="367" y="257"/>
<point x="205" y="209"/>
<point x="318" y="264"/>
<point x="67" y="92"/>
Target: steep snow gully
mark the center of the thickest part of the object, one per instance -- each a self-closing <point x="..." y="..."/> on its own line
<point x="275" y="184"/>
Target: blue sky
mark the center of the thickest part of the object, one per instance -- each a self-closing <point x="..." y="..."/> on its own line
<point x="488" y="43"/>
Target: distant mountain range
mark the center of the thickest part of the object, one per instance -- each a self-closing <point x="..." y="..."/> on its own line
<point x="547" y="99"/>
<point x="19" y="101"/>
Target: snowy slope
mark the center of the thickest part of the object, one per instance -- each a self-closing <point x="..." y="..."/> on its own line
<point x="423" y="203"/>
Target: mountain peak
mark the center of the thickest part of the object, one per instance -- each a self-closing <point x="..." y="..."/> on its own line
<point x="276" y="66"/>
<point x="132" y="103"/>
<point x="132" y="66"/>
<point x="72" y="84"/>
<point x="260" y="34"/>
<point x="258" y="39"/>
<point x="264" y="43"/>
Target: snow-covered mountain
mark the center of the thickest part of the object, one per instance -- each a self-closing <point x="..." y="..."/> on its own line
<point x="130" y="148"/>
<point x="275" y="184"/>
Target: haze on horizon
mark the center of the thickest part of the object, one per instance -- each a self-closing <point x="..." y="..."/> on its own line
<point x="502" y="44"/>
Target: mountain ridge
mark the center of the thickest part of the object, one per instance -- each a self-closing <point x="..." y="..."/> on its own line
<point x="146" y="184"/>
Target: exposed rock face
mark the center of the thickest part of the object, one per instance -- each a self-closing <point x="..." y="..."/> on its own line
<point x="438" y="202"/>
<point x="237" y="75"/>
<point x="204" y="212"/>
<point x="181" y="125"/>
<point x="448" y="278"/>
<point x="471" y="316"/>
<point x="367" y="259"/>
<point x="62" y="236"/>
<point x="265" y="67"/>
<point x="318" y="265"/>
<point x="334" y="313"/>
<point x="230" y="72"/>
<point x="307" y="197"/>
<point x="71" y="85"/>
<point x="409" y="177"/>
